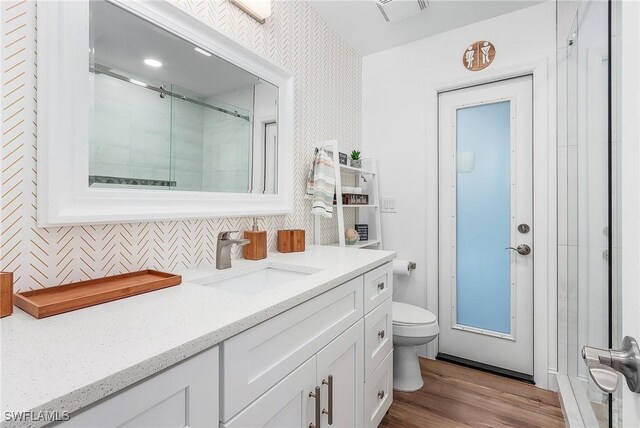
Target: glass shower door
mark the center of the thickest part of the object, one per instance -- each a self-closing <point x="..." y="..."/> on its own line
<point x="585" y="220"/>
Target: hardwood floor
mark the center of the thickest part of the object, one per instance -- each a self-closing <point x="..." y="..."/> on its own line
<point x="455" y="396"/>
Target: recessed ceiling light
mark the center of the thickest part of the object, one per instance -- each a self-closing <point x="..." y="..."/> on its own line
<point x="152" y="62"/>
<point x="202" y="51"/>
<point x="137" y="82"/>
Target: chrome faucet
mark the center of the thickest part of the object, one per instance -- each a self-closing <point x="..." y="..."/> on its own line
<point x="223" y="248"/>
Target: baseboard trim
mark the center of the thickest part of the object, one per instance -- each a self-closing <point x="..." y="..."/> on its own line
<point x="486" y="367"/>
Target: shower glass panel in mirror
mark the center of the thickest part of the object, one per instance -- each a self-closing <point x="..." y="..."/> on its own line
<point x="168" y="115"/>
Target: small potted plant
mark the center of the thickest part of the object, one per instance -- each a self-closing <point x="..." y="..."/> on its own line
<point x="356" y="161"/>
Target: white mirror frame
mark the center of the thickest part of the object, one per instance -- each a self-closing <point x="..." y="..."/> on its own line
<point x="64" y="196"/>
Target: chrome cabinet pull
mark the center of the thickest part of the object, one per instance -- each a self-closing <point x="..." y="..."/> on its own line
<point x="381" y="334"/>
<point x="381" y="286"/>
<point x="316" y="396"/>
<point x="381" y="394"/>
<point x="329" y="413"/>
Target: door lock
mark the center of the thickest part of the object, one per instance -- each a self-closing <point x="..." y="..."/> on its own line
<point x="522" y="249"/>
<point x="604" y="363"/>
<point x="523" y="228"/>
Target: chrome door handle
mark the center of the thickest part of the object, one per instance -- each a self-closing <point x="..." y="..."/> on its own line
<point x="316" y="396"/>
<point x="329" y="413"/>
<point x="522" y="249"/>
<point x="604" y="363"/>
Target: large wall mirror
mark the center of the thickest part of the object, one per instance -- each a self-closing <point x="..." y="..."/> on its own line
<point x="169" y="115"/>
<point x="168" y="118"/>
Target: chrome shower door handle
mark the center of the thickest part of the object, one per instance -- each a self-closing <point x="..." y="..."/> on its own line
<point x="522" y="249"/>
<point x="605" y="364"/>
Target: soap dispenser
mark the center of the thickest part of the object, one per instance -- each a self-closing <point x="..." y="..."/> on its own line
<point x="256" y="249"/>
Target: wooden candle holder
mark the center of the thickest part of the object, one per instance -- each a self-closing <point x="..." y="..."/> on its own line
<point x="291" y="241"/>
<point x="6" y="294"/>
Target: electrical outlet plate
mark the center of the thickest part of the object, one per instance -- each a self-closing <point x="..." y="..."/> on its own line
<point x="388" y="205"/>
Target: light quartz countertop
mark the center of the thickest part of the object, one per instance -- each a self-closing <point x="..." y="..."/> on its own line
<point x="68" y="361"/>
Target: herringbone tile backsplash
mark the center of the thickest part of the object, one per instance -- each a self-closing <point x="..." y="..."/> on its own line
<point x="327" y="105"/>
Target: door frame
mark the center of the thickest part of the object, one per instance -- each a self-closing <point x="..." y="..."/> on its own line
<point x="630" y="180"/>
<point x="544" y="210"/>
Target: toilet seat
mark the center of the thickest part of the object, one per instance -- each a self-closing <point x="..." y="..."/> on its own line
<point x="413" y="321"/>
<point x="406" y="314"/>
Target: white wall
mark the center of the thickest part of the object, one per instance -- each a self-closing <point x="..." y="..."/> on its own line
<point x="399" y="120"/>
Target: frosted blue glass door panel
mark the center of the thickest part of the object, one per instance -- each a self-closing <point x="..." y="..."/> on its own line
<point x="483" y="217"/>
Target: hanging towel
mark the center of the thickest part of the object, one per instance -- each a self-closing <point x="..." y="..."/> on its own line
<point x="321" y="185"/>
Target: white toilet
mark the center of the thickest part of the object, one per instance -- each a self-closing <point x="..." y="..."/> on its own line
<point x="412" y="326"/>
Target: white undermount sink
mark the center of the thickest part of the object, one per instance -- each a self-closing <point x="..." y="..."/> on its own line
<point x="256" y="282"/>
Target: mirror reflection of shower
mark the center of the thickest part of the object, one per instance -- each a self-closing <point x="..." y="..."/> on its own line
<point x="166" y="115"/>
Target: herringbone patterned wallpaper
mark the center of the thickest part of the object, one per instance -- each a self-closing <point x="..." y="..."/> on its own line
<point x="327" y="105"/>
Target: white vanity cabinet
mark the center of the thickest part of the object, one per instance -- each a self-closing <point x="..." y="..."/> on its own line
<point x="184" y="395"/>
<point x="333" y="351"/>
<point x="327" y="362"/>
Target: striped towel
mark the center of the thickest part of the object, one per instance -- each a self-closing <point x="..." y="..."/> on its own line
<point x="321" y="185"/>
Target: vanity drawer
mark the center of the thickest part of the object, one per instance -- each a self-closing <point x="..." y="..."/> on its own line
<point x="257" y="359"/>
<point x="378" y="286"/>
<point x="378" y="393"/>
<point x="378" y="336"/>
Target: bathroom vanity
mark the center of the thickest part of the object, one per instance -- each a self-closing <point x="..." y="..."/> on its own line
<point x="293" y="340"/>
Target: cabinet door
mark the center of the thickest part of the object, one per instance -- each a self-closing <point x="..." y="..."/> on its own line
<point x="184" y="395"/>
<point x="343" y="361"/>
<point x="286" y="405"/>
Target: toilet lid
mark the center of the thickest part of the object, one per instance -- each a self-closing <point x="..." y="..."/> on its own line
<point x="410" y="314"/>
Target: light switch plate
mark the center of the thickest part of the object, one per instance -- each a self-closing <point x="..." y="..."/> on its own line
<point x="388" y="205"/>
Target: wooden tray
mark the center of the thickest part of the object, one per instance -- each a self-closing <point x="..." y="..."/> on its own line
<point x="65" y="298"/>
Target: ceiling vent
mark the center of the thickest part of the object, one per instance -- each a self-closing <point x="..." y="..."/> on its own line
<point x="396" y="10"/>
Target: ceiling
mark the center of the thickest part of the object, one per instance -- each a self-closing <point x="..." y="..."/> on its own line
<point x="361" y="24"/>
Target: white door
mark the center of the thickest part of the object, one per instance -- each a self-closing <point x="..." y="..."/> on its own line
<point x="287" y="405"/>
<point x="341" y="376"/>
<point x="486" y="208"/>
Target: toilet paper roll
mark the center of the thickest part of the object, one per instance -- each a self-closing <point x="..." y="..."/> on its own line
<point x="401" y="267"/>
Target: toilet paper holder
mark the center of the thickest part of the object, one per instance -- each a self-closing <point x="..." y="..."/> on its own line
<point x="403" y="267"/>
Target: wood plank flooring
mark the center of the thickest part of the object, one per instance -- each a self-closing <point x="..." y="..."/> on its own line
<point x="455" y="396"/>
